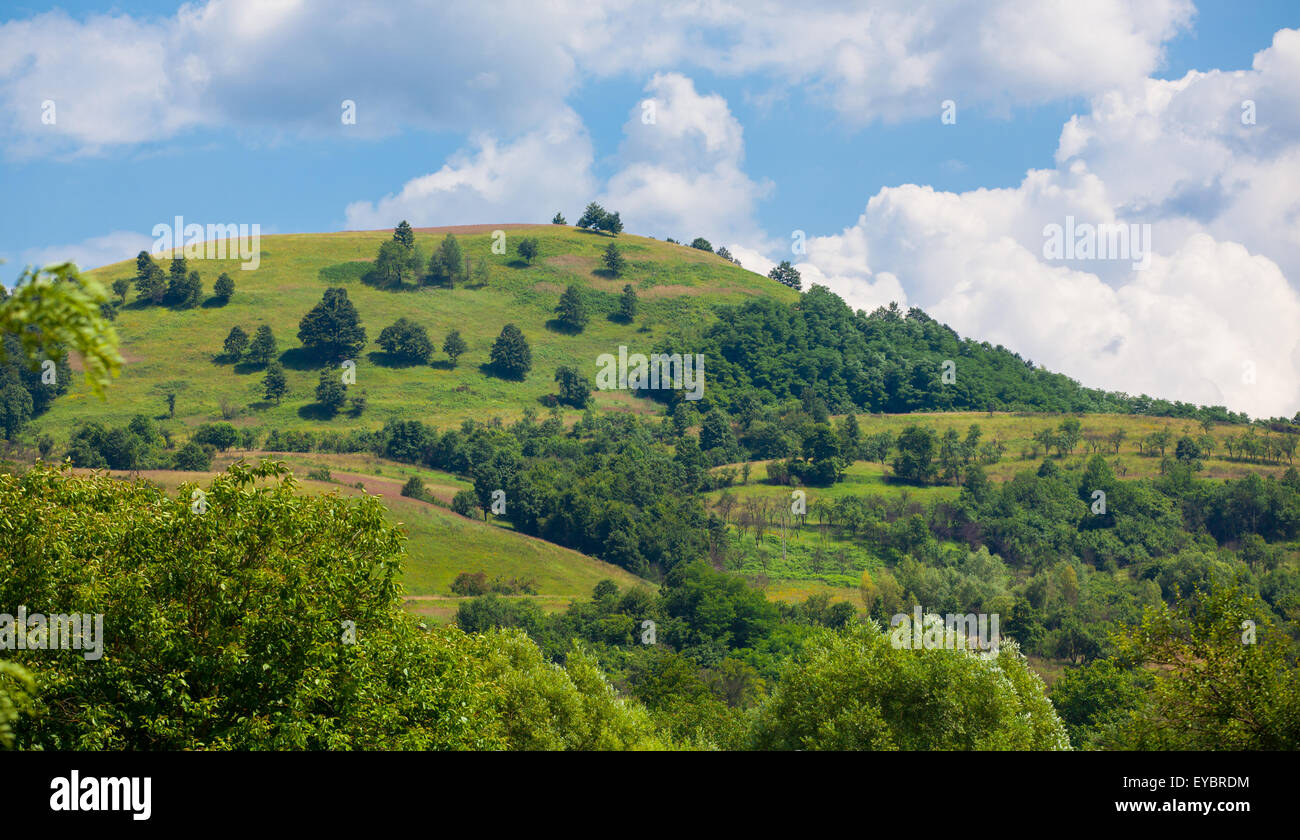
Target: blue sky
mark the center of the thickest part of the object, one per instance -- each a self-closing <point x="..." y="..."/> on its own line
<point x="792" y="120"/>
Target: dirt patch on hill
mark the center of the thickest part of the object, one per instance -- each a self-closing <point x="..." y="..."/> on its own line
<point x="78" y="366"/>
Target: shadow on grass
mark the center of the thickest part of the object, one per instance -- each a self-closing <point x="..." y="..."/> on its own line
<point x="392" y="360"/>
<point x="300" y="358"/>
<point x="488" y="370"/>
<point x="248" y="366"/>
<point x="555" y="325"/>
<point x="316" y="411"/>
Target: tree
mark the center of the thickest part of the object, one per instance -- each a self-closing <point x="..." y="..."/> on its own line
<point x="1187" y="449"/>
<point x="403" y="235"/>
<point x="1212" y="690"/>
<point x="224" y="288"/>
<point x="454" y="346"/>
<point x="446" y="263"/>
<point x="414" y="489"/>
<point x="406" y="340"/>
<point x="572" y="309"/>
<point x="262" y="348"/>
<point x="191" y="456"/>
<point x="558" y="219"/>
<point x="786" y="275"/>
<point x="726" y="255"/>
<point x="917" y="447"/>
<point x="511" y="356"/>
<point x="1161" y="439"/>
<point x="236" y="342"/>
<point x="220" y="436"/>
<point x="702" y="244"/>
<point x="53" y="310"/>
<point x="528" y="248"/>
<point x="575" y="389"/>
<point x="184" y="290"/>
<point x="843" y="690"/>
<point x="627" y="305"/>
<point x="396" y="263"/>
<point x="121" y="286"/>
<point x="611" y="224"/>
<point x="464" y="503"/>
<point x="715" y="431"/>
<point x="332" y="330"/>
<point x="169" y="391"/>
<point x="481" y="272"/>
<point x="331" y="393"/>
<point x="265" y="676"/>
<point x="592" y="217"/>
<point x="614" y="260"/>
<point x="274" y="384"/>
<point x="150" y="282"/>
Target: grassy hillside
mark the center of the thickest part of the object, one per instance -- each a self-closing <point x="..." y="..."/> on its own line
<point x="440" y="543"/>
<point x="676" y="285"/>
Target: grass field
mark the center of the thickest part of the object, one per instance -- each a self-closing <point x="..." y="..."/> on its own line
<point x="440" y="544"/>
<point x="676" y="285"/>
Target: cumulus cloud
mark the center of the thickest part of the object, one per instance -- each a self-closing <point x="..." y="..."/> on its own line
<point x="521" y="180"/>
<point x="276" y="66"/>
<point x="1207" y="322"/>
<point x="683" y="172"/>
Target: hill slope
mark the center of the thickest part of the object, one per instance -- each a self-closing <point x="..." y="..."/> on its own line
<point x="677" y="287"/>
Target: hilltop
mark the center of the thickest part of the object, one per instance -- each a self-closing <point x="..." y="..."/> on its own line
<point x="677" y="287"/>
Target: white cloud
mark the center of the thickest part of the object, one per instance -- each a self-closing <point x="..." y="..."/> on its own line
<point x="683" y="173"/>
<point x="523" y="180"/>
<point x="90" y="253"/>
<point x="268" y="68"/>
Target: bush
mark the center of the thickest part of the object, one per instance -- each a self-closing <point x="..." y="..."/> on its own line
<point x="464" y="503"/>
<point x="470" y="584"/>
<point x="414" y="488"/>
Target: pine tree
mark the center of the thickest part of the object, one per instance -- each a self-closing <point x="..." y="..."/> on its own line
<point x="575" y="389"/>
<point x="404" y="235"/>
<point x="572" y="309"/>
<point x="559" y="219"/>
<point x="511" y="356"/>
<point x="332" y="330"/>
<point x="236" y="342"/>
<point x="150" y="282"/>
<point x="786" y="275"/>
<point x="224" y="288"/>
<point x="592" y="217"/>
<point x="331" y="392"/>
<point x="275" y="384"/>
<point x="627" y="305"/>
<point x="262" y="349"/>
<point x="614" y="260"/>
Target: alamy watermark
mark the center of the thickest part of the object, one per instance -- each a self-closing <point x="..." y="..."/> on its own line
<point x="217" y="242"/>
<point x="37" y="631"/>
<point x="637" y="372"/>
<point x="1086" y="241"/>
<point x="930" y="631"/>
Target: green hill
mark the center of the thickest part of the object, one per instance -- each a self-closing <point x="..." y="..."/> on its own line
<point x="677" y="287"/>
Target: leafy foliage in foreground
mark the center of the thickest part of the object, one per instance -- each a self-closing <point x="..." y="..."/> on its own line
<point x="854" y="690"/>
<point x="224" y="629"/>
